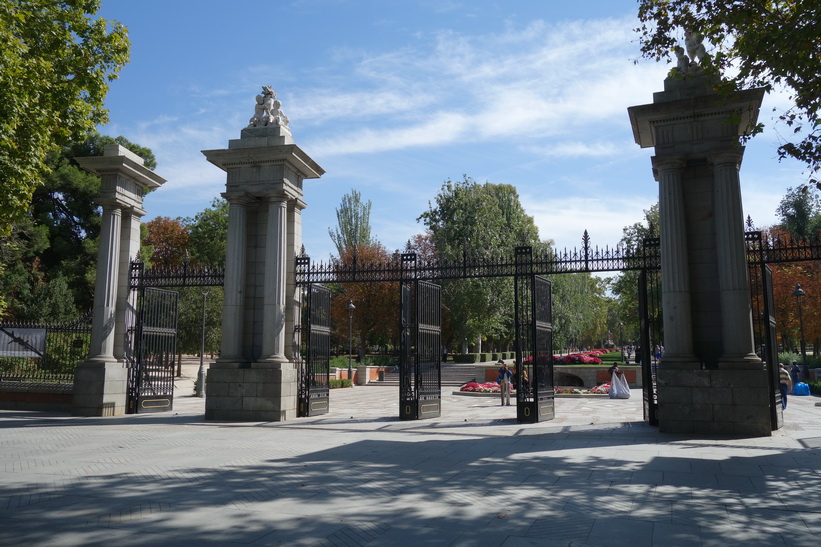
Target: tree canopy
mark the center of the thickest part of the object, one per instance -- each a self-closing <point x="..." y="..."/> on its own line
<point x="800" y="215"/>
<point x="55" y="65"/>
<point x="468" y="218"/>
<point x="58" y="238"/>
<point x="765" y="43"/>
<point x="353" y="219"/>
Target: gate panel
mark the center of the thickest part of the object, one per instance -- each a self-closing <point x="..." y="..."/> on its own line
<point x="648" y="306"/>
<point x="420" y="380"/>
<point x="151" y="372"/>
<point x="429" y="352"/>
<point x="770" y="353"/>
<point x="314" y="372"/>
<point x="535" y="393"/>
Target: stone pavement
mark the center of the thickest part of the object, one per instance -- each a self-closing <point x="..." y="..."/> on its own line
<point x="597" y="475"/>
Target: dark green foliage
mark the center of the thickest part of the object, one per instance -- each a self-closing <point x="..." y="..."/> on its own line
<point x="353" y="224"/>
<point x="55" y="64"/>
<point x="763" y="43"/>
<point x="208" y="234"/>
<point x="800" y="215"/>
<point x="333" y="384"/>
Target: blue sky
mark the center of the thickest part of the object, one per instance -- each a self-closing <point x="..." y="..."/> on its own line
<point x="392" y="98"/>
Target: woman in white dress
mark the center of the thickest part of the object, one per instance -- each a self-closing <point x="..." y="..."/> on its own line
<point x="619" y="389"/>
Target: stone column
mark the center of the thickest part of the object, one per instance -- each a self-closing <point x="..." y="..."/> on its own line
<point x="675" y="279"/>
<point x="126" y="301"/>
<point x="234" y="300"/>
<point x="737" y="335"/>
<point x="273" y="314"/>
<point x="292" y="295"/>
<point x="105" y="286"/>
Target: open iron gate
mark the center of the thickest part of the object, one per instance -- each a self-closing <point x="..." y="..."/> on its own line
<point x="650" y="336"/>
<point x="420" y="378"/>
<point x="315" y="370"/>
<point x="535" y="392"/>
<point x="153" y="352"/>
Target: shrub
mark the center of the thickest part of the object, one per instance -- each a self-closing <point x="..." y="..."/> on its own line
<point x="333" y="384"/>
<point x="815" y="388"/>
<point x="465" y="358"/>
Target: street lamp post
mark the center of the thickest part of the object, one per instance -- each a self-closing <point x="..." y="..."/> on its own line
<point x="621" y="341"/>
<point x="351" y="308"/>
<point x="201" y="371"/>
<point x="798" y="293"/>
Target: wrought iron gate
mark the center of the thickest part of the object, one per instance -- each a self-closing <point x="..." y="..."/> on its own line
<point x="535" y="393"/>
<point x="764" y="327"/>
<point x="420" y="379"/>
<point x="650" y="335"/>
<point x="314" y="372"/>
<point x="154" y="349"/>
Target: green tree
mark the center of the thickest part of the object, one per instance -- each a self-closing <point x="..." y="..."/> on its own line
<point x="800" y="215"/>
<point x="765" y="43"/>
<point x="189" y="319"/>
<point x="353" y="219"/>
<point x="626" y="285"/>
<point x="208" y="234"/>
<point x="59" y="237"/>
<point x="55" y="65"/>
<point x="471" y="220"/>
<point x="580" y="310"/>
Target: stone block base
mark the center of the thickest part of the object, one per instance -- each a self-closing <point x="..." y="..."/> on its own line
<point x="714" y="402"/>
<point x="251" y="392"/>
<point x="100" y="388"/>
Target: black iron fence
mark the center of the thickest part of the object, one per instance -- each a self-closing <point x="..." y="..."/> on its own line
<point x="43" y="353"/>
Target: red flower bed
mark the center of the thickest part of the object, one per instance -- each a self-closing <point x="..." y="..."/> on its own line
<point x="481" y="388"/>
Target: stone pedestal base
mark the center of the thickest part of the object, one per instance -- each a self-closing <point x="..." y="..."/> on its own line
<point x="251" y="392"/>
<point x="715" y="402"/>
<point x="100" y="388"/>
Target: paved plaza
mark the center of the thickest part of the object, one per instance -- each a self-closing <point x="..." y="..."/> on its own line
<point x="596" y="475"/>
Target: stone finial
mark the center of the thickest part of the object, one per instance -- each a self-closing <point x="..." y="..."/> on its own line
<point x="267" y="110"/>
<point x="693" y="41"/>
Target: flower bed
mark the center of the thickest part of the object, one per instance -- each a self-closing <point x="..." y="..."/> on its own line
<point x="586" y="358"/>
<point x="481" y="388"/>
<point x="602" y="389"/>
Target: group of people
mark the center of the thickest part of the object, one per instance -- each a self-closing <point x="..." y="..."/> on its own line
<point x="507" y="378"/>
<point x="787" y="380"/>
<point x="619" y="388"/>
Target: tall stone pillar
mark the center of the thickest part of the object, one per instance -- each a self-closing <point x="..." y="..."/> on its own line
<point x="709" y="380"/>
<point x="738" y="349"/>
<point x="255" y="379"/>
<point x="273" y="304"/>
<point x="100" y="382"/>
<point x="233" y="310"/>
<point x="675" y="284"/>
<point x="292" y="296"/>
<point x="126" y="300"/>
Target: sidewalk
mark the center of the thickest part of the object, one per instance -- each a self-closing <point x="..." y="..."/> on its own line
<point x="596" y="475"/>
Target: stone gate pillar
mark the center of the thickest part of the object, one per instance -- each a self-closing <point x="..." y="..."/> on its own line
<point x="710" y="380"/>
<point x="255" y="379"/>
<point x="100" y="381"/>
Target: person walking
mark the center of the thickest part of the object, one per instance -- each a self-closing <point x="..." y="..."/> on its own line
<point x="504" y="381"/>
<point x="785" y="384"/>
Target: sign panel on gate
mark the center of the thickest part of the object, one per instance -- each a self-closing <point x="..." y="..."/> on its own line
<point x="22" y="342"/>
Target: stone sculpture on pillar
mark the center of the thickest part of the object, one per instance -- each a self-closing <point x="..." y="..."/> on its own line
<point x="710" y="380"/>
<point x="100" y="382"/>
<point x="254" y="378"/>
